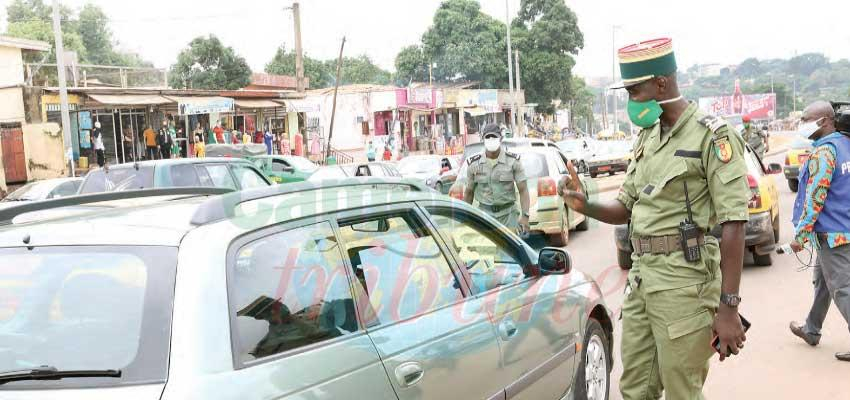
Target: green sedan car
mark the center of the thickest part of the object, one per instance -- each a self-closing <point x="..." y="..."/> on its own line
<point x="285" y="169"/>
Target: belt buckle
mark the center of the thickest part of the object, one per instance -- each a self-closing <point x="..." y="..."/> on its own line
<point x="645" y="246"/>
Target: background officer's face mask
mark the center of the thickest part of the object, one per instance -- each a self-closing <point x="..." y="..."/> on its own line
<point x="645" y="113"/>
<point x="492" y="144"/>
<point x="808" y="129"/>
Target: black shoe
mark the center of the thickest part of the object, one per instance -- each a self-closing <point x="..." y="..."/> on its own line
<point x="843" y="356"/>
<point x="797" y="330"/>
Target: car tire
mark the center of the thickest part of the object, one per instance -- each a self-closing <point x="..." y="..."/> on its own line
<point x="792" y="184"/>
<point x="624" y="260"/>
<point x="592" y="174"/>
<point x="584" y="225"/>
<point x="762" y="260"/>
<point x="560" y="239"/>
<point x="612" y="173"/>
<point x="595" y="365"/>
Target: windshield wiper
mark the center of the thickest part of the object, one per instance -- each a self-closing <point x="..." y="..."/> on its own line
<point x="45" y="372"/>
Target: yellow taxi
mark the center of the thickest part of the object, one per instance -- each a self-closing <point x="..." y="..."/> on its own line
<point x="798" y="153"/>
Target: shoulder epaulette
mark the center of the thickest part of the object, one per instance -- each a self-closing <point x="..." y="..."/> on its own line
<point x="512" y="155"/>
<point x="473" y="159"/>
<point x="713" y="123"/>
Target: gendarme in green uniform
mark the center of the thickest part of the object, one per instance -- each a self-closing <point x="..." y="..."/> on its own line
<point x="670" y="307"/>
<point x="754" y="138"/>
<point x="494" y="185"/>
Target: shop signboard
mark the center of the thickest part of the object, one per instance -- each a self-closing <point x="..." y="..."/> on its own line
<point x="204" y="105"/>
<point x="757" y="106"/>
<point x="486" y="99"/>
<point x="302" y="106"/>
<point x="421" y="95"/>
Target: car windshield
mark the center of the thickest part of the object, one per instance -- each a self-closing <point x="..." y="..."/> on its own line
<point x="30" y="192"/>
<point x="570" y="146"/>
<point x="332" y="172"/>
<point x="86" y="308"/>
<point x="301" y="163"/>
<point x="419" y="165"/>
<point x="118" y="179"/>
<point x="535" y="165"/>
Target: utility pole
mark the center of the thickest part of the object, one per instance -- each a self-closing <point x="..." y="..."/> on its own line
<point x="336" y="89"/>
<point x="63" y="87"/>
<point x="299" y="52"/>
<point x="510" y="71"/>
<point x="518" y="88"/>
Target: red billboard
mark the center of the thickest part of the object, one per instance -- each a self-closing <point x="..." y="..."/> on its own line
<point x="757" y="106"/>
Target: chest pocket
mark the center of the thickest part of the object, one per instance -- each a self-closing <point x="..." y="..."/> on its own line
<point x="504" y="176"/>
<point x="669" y="186"/>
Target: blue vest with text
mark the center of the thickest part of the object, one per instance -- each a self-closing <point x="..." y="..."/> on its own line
<point x="835" y="216"/>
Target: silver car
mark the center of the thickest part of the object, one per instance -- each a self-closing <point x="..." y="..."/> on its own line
<point x="361" y="289"/>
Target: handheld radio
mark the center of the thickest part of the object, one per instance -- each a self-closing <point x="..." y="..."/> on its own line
<point x="690" y="232"/>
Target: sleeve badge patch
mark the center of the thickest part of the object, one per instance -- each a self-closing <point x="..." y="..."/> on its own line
<point x="723" y="149"/>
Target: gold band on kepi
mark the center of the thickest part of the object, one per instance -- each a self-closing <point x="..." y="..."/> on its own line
<point x="645" y="60"/>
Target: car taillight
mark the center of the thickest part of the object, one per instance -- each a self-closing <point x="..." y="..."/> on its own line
<point x="456" y="192"/>
<point x="546" y="187"/>
<point x="755" y="199"/>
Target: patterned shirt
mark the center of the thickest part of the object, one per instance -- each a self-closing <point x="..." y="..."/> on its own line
<point x="821" y="165"/>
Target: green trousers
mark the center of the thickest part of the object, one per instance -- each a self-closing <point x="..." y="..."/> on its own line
<point x="666" y="343"/>
<point x="509" y="218"/>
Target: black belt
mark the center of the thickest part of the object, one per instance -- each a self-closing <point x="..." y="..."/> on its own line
<point x="495" y="208"/>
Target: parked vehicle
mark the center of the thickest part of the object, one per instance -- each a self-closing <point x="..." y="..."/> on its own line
<point x="288" y="292"/>
<point x="544" y="167"/>
<point x="232" y="173"/>
<point x="436" y="171"/>
<point x="796" y="156"/>
<point x="578" y="151"/>
<point x="607" y="158"/>
<point x="284" y="169"/>
<point x="762" y="229"/>
<point x="376" y="169"/>
<point x="43" y="190"/>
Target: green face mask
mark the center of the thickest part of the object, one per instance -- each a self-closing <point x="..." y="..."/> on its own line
<point x="644" y="113"/>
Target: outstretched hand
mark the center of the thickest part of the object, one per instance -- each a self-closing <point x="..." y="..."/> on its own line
<point x="570" y="189"/>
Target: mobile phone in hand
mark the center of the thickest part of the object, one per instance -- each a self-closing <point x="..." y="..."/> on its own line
<point x="716" y="342"/>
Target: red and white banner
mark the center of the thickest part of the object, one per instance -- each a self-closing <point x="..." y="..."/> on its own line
<point x="757" y="106"/>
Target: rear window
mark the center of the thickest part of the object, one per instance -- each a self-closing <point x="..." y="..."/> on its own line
<point x="86" y="308"/>
<point x="535" y="165"/>
<point x="118" y="179"/>
<point x="329" y="173"/>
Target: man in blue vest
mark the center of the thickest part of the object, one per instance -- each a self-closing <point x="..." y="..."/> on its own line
<point x="821" y="218"/>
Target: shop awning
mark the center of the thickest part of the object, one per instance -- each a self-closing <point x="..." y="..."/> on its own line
<point x="476" y="111"/>
<point x="257" y="103"/>
<point x="130" y="99"/>
<point x="301" y="106"/>
<point x="203" y="105"/>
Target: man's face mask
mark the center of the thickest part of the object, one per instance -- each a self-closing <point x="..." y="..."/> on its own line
<point x="645" y="113"/>
<point x="492" y="144"/>
<point x="808" y="129"/>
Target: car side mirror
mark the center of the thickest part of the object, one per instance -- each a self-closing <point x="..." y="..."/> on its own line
<point x="774" y="168"/>
<point x="554" y="261"/>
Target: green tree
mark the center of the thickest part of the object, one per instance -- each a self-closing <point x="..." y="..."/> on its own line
<point x="581" y="102"/>
<point x="207" y="64"/>
<point x="806" y="64"/>
<point x="360" y="69"/>
<point x="283" y="63"/>
<point x="411" y="65"/>
<point x="36" y="29"/>
<point x="750" y="68"/>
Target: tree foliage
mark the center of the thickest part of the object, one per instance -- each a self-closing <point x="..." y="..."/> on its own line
<point x="322" y="74"/>
<point x="207" y="64"/>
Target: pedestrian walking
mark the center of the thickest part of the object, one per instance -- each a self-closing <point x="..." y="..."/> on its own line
<point x="388" y="154"/>
<point x="821" y="219"/>
<point x="494" y="178"/>
<point x="163" y="141"/>
<point x="128" y="140"/>
<point x="200" y="147"/>
<point x="754" y="136"/>
<point x="687" y="175"/>
<point x="151" y="146"/>
<point x="268" y="139"/>
<point x="97" y="144"/>
<point x="370" y="152"/>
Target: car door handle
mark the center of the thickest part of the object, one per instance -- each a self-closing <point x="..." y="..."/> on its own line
<point x="409" y="374"/>
<point x="507" y="329"/>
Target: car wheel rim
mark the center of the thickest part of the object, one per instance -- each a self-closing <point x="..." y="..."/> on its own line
<point x="595" y="369"/>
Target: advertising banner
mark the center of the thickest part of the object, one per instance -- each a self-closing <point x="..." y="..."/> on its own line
<point x="757" y="106"/>
<point x="204" y="105"/>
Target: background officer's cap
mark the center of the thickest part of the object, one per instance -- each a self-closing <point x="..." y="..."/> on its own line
<point x="645" y="60"/>
<point x="491" y="130"/>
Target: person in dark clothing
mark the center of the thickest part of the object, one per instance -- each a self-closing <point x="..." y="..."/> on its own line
<point x="97" y="144"/>
<point x="164" y="141"/>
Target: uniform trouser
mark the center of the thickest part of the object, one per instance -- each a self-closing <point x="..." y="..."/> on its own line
<point x="508" y="218"/>
<point x="831" y="281"/>
<point x="666" y="343"/>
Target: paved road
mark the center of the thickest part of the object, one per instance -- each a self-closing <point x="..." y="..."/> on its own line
<point x="774" y="364"/>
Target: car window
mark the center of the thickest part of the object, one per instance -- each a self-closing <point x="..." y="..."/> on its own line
<point x="331" y="172"/>
<point x="753" y="166"/>
<point x="220" y="176"/>
<point x="392" y="171"/>
<point x="399" y="266"/>
<point x="87" y="308"/>
<point x="65" y="189"/>
<point x="289" y="290"/>
<point x="535" y="165"/>
<point x="377" y="170"/>
<point x="184" y="175"/>
<point x="362" y="170"/>
<point x="118" y="179"/>
<point x="560" y="162"/>
<point x="490" y="260"/>
<point x="248" y="178"/>
<point x="204" y="177"/>
<point x="279" y="165"/>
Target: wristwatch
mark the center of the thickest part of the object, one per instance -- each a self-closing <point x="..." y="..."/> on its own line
<point x="731" y="300"/>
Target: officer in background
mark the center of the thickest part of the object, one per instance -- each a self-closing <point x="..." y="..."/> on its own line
<point x="492" y="177"/>
<point x="754" y="136"/>
<point x="679" y="294"/>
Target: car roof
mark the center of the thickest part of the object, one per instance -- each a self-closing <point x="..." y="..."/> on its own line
<point x="180" y="161"/>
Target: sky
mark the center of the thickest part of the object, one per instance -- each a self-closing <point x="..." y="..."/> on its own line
<point x="721" y="31"/>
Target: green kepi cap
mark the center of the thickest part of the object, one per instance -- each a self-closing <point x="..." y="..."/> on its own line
<point x="645" y="60"/>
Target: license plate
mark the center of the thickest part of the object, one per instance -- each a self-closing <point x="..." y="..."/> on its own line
<point x="605" y="168"/>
